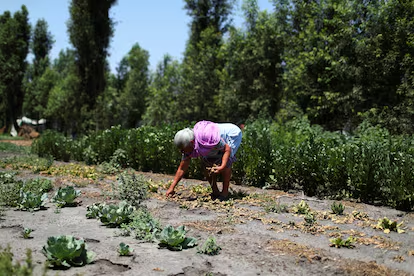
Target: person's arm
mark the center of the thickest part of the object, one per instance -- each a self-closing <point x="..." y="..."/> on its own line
<point x="182" y="168"/>
<point x="224" y="160"/>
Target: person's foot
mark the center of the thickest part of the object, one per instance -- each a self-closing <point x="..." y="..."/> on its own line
<point x="223" y="198"/>
<point x="214" y="196"/>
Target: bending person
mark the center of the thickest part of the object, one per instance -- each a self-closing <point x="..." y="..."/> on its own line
<point x="216" y="144"/>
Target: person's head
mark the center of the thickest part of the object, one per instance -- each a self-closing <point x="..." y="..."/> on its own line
<point x="184" y="139"/>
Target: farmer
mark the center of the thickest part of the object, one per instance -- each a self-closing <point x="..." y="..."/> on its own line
<point x="217" y="145"/>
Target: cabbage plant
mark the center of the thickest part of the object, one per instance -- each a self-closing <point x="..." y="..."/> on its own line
<point x="115" y="215"/>
<point x="175" y="239"/>
<point x="66" y="196"/>
<point x="67" y="251"/>
<point x="31" y="201"/>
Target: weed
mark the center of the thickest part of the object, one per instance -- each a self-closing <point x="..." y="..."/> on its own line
<point x="131" y="188"/>
<point x="337" y="208"/>
<point x="301" y="208"/>
<point x="210" y="247"/>
<point x="388" y="225"/>
<point x="339" y="242"/>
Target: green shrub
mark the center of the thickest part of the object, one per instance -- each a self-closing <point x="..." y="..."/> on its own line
<point x="132" y="188"/>
<point x="38" y="185"/>
<point x="8" y="267"/>
<point x="52" y="143"/>
<point x="9" y="189"/>
<point x="142" y="225"/>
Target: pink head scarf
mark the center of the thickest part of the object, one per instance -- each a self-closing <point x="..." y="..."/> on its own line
<point x="207" y="135"/>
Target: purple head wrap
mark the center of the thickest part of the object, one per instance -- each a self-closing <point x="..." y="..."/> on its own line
<point x="207" y="135"/>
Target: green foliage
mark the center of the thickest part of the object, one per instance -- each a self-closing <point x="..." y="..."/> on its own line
<point x="142" y="225"/>
<point x="175" y="239"/>
<point x="9" y="147"/>
<point x="337" y="208"/>
<point x="124" y="249"/>
<point x="339" y="242"/>
<point x="9" y="189"/>
<point x="8" y="266"/>
<point x="115" y="215"/>
<point x="132" y="188"/>
<point x="310" y="219"/>
<point x="210" y="247"/>
<point x="90" y="30"/>
<point x="301" y="208"/>
<point x="26" y="233"/>
<point x="65" y="196"/>
<point x="67" y="251"/>
<point x="276" y="207"/>
<point x="388" y="225"/>
<point x="31" y="201"/>
<point x="38" y="185"/>
<point x="94" y="210"/>
<point x="53" y="144"/>
<point x="28" y="162"/>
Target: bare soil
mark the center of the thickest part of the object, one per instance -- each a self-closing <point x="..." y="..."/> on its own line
<point x="253" y="241"/>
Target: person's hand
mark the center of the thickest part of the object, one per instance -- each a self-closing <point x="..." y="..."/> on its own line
<point x="170" y="192"/>
<point x="216" y="169"/>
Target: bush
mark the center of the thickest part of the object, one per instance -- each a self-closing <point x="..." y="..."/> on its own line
<point x="10" y="268"/>
<point x="9" y="189"/>
<point x="52" y="143"/>
<point x="132" y="188"/>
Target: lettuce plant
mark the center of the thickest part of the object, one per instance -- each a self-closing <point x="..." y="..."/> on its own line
<point x="301" y="208"/>
<point x="175" y="239"/>
<point x="67" y="251"/>
<point x="115" y="215"/>
<point x="124" y="249"/>
<point x="66" y="196"/>
<point x="26" y="233"/>
<point x="388" y="225"/>
<point x="31" y="201"/>
<point x="339" y="242"/>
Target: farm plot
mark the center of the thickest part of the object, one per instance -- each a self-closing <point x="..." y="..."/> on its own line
<point x="259" y="232"/>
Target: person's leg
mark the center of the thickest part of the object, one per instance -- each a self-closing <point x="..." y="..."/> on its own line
<point x="212" y="180"/>
<point x="226" y="174"/>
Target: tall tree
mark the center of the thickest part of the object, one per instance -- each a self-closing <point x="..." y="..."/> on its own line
<point x="132" y="102"/>
<point x="165" y="86"/>
<point x="37" y="86"/>
<point x="14" y="47"/>
<point x="254" y="84"/>
<point x="202" y="62"/>
<point x="90" y="32"/>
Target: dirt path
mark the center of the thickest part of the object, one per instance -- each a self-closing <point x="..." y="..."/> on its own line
<point x="253" y="241"/>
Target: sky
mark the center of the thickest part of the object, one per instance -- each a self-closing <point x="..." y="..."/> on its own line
<point x="159" y="26"/>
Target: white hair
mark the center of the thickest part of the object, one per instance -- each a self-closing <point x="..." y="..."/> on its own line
<point x="183" y="138"/>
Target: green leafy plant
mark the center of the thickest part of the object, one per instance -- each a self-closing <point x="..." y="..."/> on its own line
<point x="388" y="225"/>
<point x="276" y="207"/>
<point x="10" y="267"/>
<point x="124" y="249"/>
<point x="310" y="219"/>
<point x="65" y="196"/>
<point x="94" y="210"/>
<point x="337" y="208"/>
<point x="132" y="188"/>
<point x="115" y="215"/>
<point x="142" y="225"/>
<point x="301" y="208"/>
<point x="210" y="247"/>
<point x="9" y="189"/>
<point x="26" y="233"/>
<point x="38" y="185"/>
<point x="175" y="239"/>
<point x="339" y="242"/>
<point x="31" y="201"/>
<point x="67" y="251"/>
